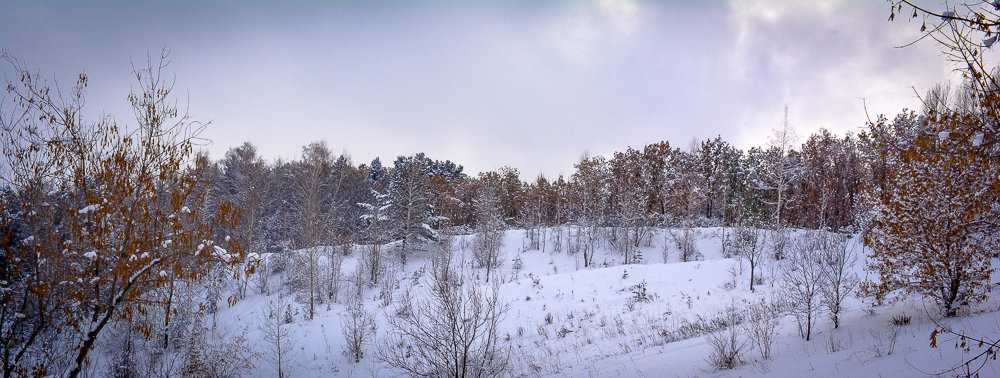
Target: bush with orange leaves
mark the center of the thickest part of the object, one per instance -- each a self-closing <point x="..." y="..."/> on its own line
<point x="109" y="218"/>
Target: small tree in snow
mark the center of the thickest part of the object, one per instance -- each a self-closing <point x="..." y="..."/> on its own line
<point x="375" y="214"/>
<point x="763" y="327"/>
<point x="489" y="227"/>
<point x="839" y="280"/>
<point x="274" y="327"/>
<point x="358" y="327"/>
<point x="452" y="331"/>
<point x="931" y="223"/>
<point x="803" y="276"/>
<point x="747" y="240"/>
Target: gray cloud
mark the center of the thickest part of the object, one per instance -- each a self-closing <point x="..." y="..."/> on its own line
<point x="488" y="84"/>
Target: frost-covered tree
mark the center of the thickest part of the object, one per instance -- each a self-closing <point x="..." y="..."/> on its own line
<point x="928" y="227"/>
<point x="376" y="215"/>
<point x="748" y="242"/>
<point x="538" y="212"/>
<point x="452" y="330"/>
<point x="108" y="213"/>
<point x="716" y="160"/>
<point x="313" y="216"/>
<point x="685" y="194"/>
<point x="358" y="328"/>
<point x="802" y="279"/>
<point x="412" y="210"/>
<point x="490" y="225"/>
<point x="588" y="191"/>
<point x="628" y="204"/>
<point x="779" y="170"/>
<point x="274" y="325"/>
<point x="839" y="279"/>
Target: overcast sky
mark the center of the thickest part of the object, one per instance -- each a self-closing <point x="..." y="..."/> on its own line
<point x="526" y="84"/>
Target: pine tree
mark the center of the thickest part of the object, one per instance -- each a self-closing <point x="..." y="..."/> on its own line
<point x="628" y="203"/>
<point x="412" y="210"/>
<point x="376" y="215"/>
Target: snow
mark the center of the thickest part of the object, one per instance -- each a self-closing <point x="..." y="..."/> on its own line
<point x="220" y="252"/>
<point x="90" y="255"/>
<point x="988" y="42"/>
<point x="567" y="320"/>
<point x="89" y="208"/>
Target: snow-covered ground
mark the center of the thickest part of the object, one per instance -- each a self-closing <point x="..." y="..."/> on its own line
<point x="567" y="320"/>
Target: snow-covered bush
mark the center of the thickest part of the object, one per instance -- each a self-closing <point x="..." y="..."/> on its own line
<point x="729" y="344"/>
<point x="210" y="353"/>
<point x="762" y="319"/>
<point x="684" y="241"/>
<point x="276" y="333"/>
<point x="452" y="331"/>
<point x="358" y="327"/>
<point x="749" y="246"/>
<point x="839" y="281"/>
<point x="803" y="277"/>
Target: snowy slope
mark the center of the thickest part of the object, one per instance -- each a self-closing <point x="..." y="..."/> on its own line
<point x="567" y="320"/>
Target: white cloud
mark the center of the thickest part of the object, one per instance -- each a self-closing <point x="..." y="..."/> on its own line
<point x="584" y="30"/>
<point x="824" y="61"/>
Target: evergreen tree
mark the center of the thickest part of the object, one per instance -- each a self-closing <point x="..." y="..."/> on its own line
<point x="412" y="210"/>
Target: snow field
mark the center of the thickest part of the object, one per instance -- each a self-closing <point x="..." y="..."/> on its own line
<point x="566" y="320"/>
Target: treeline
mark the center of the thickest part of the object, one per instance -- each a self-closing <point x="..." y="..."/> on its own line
<point x="324" y="199"/>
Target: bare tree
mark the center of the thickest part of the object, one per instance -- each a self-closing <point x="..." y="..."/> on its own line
<point x="839" y="281"/>
<point x="334" y="261"/>
<point x="780" y="171"/>
<point x="274" y="327"/>
<point x="358" y="328"/>
<point x="489" y="227"/>
<point x="313" y="217"/>
<point x="803" y="277"/>
<point x="749" y="243"/>
<point x="452" y="331"/>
